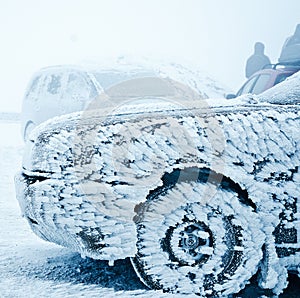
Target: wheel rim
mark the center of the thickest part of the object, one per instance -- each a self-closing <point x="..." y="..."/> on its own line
<point x="193" y="240"/>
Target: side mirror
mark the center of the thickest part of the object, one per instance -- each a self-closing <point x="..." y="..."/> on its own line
<point x="230" y="96"/>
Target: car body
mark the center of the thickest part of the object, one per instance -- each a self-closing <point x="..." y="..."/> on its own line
<point x="266" y="78"/>
<point x="200" y="196"/>
<point x="62" y="89"/>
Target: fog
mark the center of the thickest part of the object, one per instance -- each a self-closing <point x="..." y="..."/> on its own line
<point x="216" y="35"/>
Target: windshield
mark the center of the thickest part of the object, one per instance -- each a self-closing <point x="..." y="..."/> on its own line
<point x="120" y="86"/>
<point x="110" y="78"/>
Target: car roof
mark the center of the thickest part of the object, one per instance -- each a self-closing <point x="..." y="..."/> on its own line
<point x="280" y="68"/>
<point x="93" y="68"/>
<point x="275" y="71"/>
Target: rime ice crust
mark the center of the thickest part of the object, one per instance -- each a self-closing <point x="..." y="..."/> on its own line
<point x="230" y="247"/>
<point x="89" y="179"/>
<point x="88" y="176"/>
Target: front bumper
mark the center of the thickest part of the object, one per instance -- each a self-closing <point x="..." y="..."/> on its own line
<point x="58" y="212"/>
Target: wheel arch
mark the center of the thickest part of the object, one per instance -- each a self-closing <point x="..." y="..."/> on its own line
<point x="201" y="174"/>
<point x="25" y="132"/>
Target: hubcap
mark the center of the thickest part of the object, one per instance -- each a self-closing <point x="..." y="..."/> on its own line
<point x="191" y="243"/>
<point x="193" y="239"/>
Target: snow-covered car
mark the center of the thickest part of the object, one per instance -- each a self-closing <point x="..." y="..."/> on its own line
<point x="266" y="78"/>
<point x="63" y="89"/>
<point x="200" y="195"/>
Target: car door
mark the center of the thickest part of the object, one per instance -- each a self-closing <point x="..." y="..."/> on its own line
<point x="261" y="84"/>
<point x="78" y="91"/>
<point x="247" y="87"/>
<point x="31" y="104"/>
<point x="50" y="96"/>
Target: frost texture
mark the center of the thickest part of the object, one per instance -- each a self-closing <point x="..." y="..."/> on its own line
<point x="232" y="258"/>
<point x="286" y="92"/>
<point x="90" y="172"/>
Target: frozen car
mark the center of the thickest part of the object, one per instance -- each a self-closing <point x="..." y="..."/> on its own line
<point x="63" y="89"/>
<point x="266" y="78"/>
<point x="201" y="196"/>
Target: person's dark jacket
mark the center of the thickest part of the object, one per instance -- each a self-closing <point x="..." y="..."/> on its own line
<point x="256" y="61"/>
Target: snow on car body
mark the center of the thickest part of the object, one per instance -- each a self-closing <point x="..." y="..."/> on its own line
<point x="200" y="196"/>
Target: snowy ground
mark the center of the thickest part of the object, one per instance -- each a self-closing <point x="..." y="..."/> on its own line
<point x="30" y="267"/>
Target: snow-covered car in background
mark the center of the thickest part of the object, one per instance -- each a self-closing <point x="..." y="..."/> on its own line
<point x="200" y="194"/>
<point x="62" y="89"/>
<point x="266" y="78"/>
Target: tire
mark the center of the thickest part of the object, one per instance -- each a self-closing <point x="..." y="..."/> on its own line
<point x="190" y="245"/>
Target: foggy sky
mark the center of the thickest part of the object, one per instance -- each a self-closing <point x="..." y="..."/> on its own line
<point x="217" y="35"/>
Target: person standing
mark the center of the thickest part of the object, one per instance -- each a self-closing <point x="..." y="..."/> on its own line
<point x="257" y="60"/>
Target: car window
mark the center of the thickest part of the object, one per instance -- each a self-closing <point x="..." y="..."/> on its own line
<point x="280" y="78"/>
<point x="260" y="84"/>
<point x="247" y="87"/>
<point x="142" y="87"/>
<point x="108" y="79"/>
<point x="33" y="86"/>
<point x="77" y="87"/>
<point x="54" y="84"/>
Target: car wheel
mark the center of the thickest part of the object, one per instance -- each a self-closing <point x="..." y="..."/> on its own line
<point x="192" y="246"/>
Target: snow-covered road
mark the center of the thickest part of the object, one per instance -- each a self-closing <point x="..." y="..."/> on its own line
<point x="30" y="267"/>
